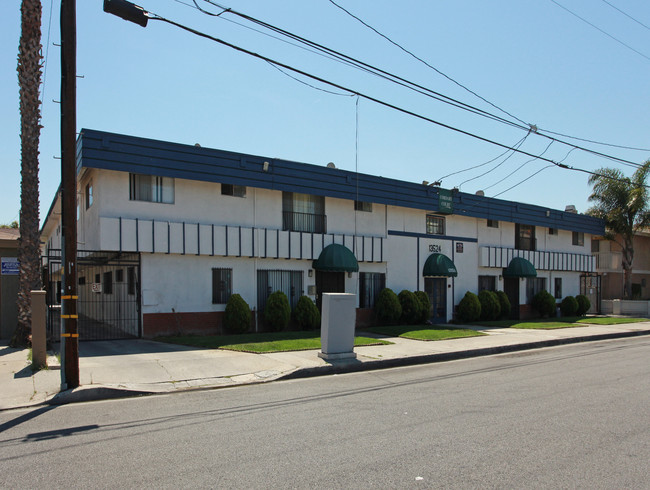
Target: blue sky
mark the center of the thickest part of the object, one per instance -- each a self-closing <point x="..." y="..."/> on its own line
<point x="531" y="58"/>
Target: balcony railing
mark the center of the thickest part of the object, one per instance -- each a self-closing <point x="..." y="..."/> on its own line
<point x="609" y="261"/>
<point x="307" y="222"/>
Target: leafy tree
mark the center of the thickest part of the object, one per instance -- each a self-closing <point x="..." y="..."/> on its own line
<point x="29" y="81"/>
<point x="13" y="225"/>
<point x="623" y="204"/>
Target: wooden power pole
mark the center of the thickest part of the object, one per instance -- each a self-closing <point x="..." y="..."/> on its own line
<point x="69" y="315"/>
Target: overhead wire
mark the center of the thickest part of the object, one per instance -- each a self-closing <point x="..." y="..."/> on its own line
<point x="539" y="130"/>
<point x="601" y="30"/>
<point x="626" y="14"/>
<point x="410" y="53"/>
<point x="383" y="103"/>
<point x="430" y="93"/>
<point x="517" y="169"/>
<point x="517" y="146"/>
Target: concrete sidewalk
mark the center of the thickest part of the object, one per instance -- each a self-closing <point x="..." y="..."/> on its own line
<point x="110" y="369"/>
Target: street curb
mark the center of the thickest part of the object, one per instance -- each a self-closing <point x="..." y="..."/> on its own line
<point x="94" y="393"/>
<point x="350" y="366"/>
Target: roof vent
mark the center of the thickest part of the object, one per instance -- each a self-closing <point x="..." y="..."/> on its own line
<point x="331" y="165"/>
<point x="480" y="193"/>
<point x="570" y="208"/>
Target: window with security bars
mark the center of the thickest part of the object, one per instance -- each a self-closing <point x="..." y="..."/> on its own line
<point x="221" y="286"/>
<point x="487" y="283"/>
<point x="151" y="188"/>
<point x="370" y="284"/>
<point x="435" y="225"/>
<point x="269" y="281"/>
<point x="533" y="286"/>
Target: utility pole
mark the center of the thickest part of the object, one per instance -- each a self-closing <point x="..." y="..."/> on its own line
<point x="69" y="315"/>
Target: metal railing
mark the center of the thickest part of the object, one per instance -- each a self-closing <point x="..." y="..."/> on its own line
<point x="307" y="222"/>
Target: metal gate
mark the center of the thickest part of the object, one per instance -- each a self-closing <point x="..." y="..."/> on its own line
<point x="590" y="287"/>
<point x="108" y="286"/>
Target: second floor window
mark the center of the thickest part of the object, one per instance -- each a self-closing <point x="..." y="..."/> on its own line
<point x="89" y="194"/>
<point x="578" y="238"/>
<point x="303" y="212"/>
<point x="233" y="190"/>
<point x="363" y="206"/>
<point x="435" y="225"/>
<point x="524" y="237"/>
<point x="151" y="188"/>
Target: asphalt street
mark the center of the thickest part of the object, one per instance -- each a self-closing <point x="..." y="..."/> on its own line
<point x="564" y="417"/>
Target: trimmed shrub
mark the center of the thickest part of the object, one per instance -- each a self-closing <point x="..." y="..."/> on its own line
<point x="490" y="306"/>
<point x="544" y="304"/>
<point x="583" y="304"/>
<point x="306" y="314"/>
<point x="237" y="317"/>
<point x="425" y="306"/>
<point x="569" y="306"/>
<point x="469" y="308"/>
<point x="410" y="307"/>
<point x="504" y="302"/>
<point x="277" y="312"/>
<point x="387" y="307"/>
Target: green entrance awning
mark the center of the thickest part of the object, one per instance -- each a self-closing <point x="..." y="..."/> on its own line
<point x="439" y="265"/>
<point x="336" y="258"/>
<point x="520" y="267"/>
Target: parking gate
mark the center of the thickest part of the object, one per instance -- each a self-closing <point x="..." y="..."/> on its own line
<point x="108" y="286"/>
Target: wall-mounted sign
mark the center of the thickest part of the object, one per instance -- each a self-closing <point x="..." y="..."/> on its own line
<point x="96" y="287"/>
<point x="445" y="202"/>
<point x="9" y="266"/>
<point x="433" y="248"/>
<point x="459" y="247"/>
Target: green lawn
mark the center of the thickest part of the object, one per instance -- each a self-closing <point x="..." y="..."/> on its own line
<point x="610" y="320"/>
<point x="260" y="343"/>
<point x="562" y="322"/>
<point x="424" y="332"/>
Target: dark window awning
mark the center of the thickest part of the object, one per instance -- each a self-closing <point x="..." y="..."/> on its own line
<point x="336" y="258"/>
<point x="520" y="267"/>
<point x="439" y="265"/>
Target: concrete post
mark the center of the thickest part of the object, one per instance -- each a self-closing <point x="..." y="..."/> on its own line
<point x="39" y="349"/>
<point x="616" y="307"/>
<point x="337" y="326"/>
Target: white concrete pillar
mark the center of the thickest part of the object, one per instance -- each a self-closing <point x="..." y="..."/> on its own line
<point x="39" y="349"/>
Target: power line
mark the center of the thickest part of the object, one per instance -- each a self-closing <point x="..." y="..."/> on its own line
<point x="516" y="147"/>
<point x="626" y="15"/>
<point x="425" y="63"/>
<point x="474" y="93"/>
<point x="191" y="30"/>
<point x="526" y="179"/>
<point x="420" y="89"/>
<point x="518" y="168"/>
<point x="601" y="30"/>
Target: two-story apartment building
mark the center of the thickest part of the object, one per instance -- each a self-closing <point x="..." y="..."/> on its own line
<point x="170" y="231"/>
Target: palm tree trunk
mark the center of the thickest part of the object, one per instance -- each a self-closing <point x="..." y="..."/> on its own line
<point x="29" y="80"/>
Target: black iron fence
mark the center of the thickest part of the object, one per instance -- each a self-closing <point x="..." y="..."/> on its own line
<point x="108" y="286"/>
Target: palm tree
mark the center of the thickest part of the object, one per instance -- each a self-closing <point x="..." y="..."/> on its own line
<point x="29" y="81"/>
<point x="623" y="204"/>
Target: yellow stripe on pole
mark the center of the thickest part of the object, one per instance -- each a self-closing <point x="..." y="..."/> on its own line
<point x="69" y="296"/>
<point x="69" y="316"/>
